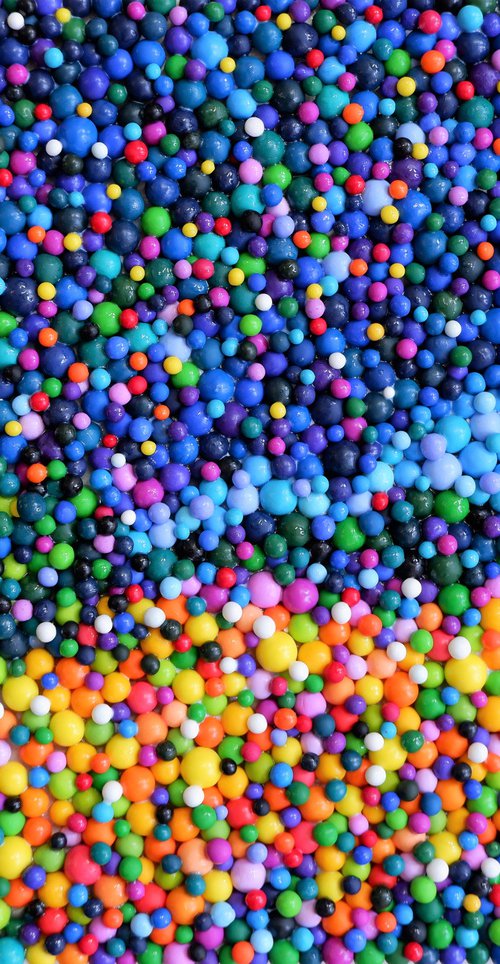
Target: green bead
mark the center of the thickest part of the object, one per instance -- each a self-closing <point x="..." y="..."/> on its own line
<point x="156" y="221"/>
<point x="348" y="535"/>
<point x="454" y="600"/>
<point x="359" y="137"/>
<point x="421" y="641"/>
<point x="283" y="952"/>
<point x="398" y="64"/>
<point x="445" y="570"/>
<point x="423" y="890"/>
<point x="288" y="903"/>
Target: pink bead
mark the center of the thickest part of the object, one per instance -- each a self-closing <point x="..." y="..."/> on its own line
<point x="29" y="359"/>
<point x="347" y="81"/>
<point x="219" y="297"/>
<point x="447" y="545"/>
<point x="136" y="11"/>
<point x="264" y="591"/>
<point x="276" y="446"/>
<point x="17" y="74"/>
<point x="491" y="280"/>
<point x="447" y="49"/>
<point x="483" y="138"/>
<point x="377" y="291"/>
<point x="458" y="195"/>
<point x="300" y="596"/>
<point x="438" y="136"/>
<point x="308" y="112"/>
<point x="323" y="182"/>
<point x="406" y="348"/>
<point x="319" y="154"/>
<point x="150" y="248"/>
<point x="182" y="269"/>
<point x="380" y="170"/>
<point x="250" y="171"/>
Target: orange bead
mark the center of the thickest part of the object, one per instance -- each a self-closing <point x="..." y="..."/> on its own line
<point x="138" y="361"/>
<point x="485" y="250"/>
<point x="152" y="729"/>
<point x="399" y="689"/>
<point x="19" y="894"/>
<point x="211" y="732"/>
<point x="358" y="267"/>
<point x="430" y="617"/>
<point x="370" y="625"/>
<point x="398" y="190"/>
<point x="48" y="337"/>
<point x="36" y="473"/>
<point x="340" y="922"/>
<point x="37" y="831"/>
<point x="432" y="61"/>
<point x="353" y="113"/>
<point x="242" y="952"/>
<point x="78" y="372"/>
<point x="182" y="826"/>
<point x="301" y="239"/>
<point x="386" y="922"/>
<point x="318" y="806"/>
<point x="161" y="412"/>
<point x="111" y="890"/>
<point x="36" y="234"/>
<point x="185" y="307"/>
<point x="138" y="783"/>
<point x="183" y="906"/>
<point x="34" y="802"/>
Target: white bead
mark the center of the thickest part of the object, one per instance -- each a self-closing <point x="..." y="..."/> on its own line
<point x="154" y="617"/>
<point x="46" y="632"/>
<point x="459" y="648"/>
<point x="437" y="870"/>
<point x="193" y="796"/>
<point x="2" y="711"/>
<point x="341" y="613"/>
<point x="411" y="588"/>
<point x="374" y="741"/>
<point x="389" y="392"/>
<point x="396" y="651"/>
<point x="337" y="360"/>
<point x="112" y="791"/>
<point x="263" y="302"/>
<point x="103" y="624"/>
<point x="40" y="705"/>
<point x="418" y="674"/>
<point x="232" y="611"/>
<point x="102" y="713"/>
<point x="298" y="671"/>
<point x="490" y="868"/>
<point x="254" y="127"/>
<point x="257" y="723"/>
<point x="228" y="665"/>
<point x="190" y="729"/>
<point x="15" y="21"/>
<point x="375" y="776"/>
<point x="99" y="150"/>
<point x="453" y="329"/>
<point x="53" y="147"/>
<point x="128" y="517"/>
<point x="264" y="627"/>
<point x="477" y="753"/>
<point x="118" y="460"/>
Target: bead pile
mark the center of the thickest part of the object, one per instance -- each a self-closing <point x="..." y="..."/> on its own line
<point x="249" y="482"/>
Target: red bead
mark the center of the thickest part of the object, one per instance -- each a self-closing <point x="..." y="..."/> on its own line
<point x="222" y="227"/>
<point x="315" y="58"/>
<point x="413" y="951"/>
<point x="134" y="593"/>
<point x="278" y="686"/>
<point x="226" y="578"/>
<point x="318" y="326"/>
<point x="83" y="781"/>
<point x="354" y="184"/>
<point x="430" y="21"/>
<point x="101" y="222"/>
<point x="53" y="920"/>
<point x="5" y="177"/>
<point x="109" y="441"/>
<point x="88" y="944"/>
<point x="381" y="253"/>
<point x="369" y="839"/>
<point x="495" y="895"/>
<point x="203" y="269"/>
<point x="465" y="90"/>
<point x="293" y="859"/>
<point x="374" y="14"/>
<point x="39" y="402"/>
<point x="129" y="318"/>
<point x="137" y="385"/>
<point x="304" y="724"/>
<point x="136" y="151"/>
<point x="380" y="501"/>
<point x="335" y="672"/>
<point x="42" y="111"/>
<point x="183" y="643"/>
<point x="351" y="596"/>
<point x="344" y="720"/>
<point x="263" y="13"/>
<point x="256" y="899"/>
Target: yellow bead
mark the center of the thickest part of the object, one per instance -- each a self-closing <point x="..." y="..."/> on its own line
<point x="68" y="728"/>
<point x="277" y="410"/>
<point x="466" y="675"/>
<point x="397" y="270"/>
<point x="72" y="241"/>
<point x="201" y="629"/>
<point x="13" y="779"/>
<point x="471" y="903"/>
<point x="148" y="448"/>
<point x="188" y="686"/>
<point x="201" y="767"/>
<point x="329" y="858"/>
<point x="389" y="214"/>
<point x="330" y="885"/>
<point x="61" y="811"/>
<point x="137" y="273"/>
<point x="46" y="291"/>
<point x="338" y="32"/>
<point x="113" y="191"/>
<point x="218" y="886"/>
<point x="38" y="662"/>
<point x="406" y="86"/>
<point x="268" y="827"/>
<point x="13" y="428"/>
<point x="446" y="846"/>
<point x="55" y="890"/>
<point x="84" y="110"/>
<point x="351" y="804"/>
<point x="141" y="817"/>
<point x="319" y="204"/>
<point x="390" y="757"/>
<point x="284" y="21"/>
<point x="172" y="365"/>
<point x="116" y="688"/>
<point x="290" y="753"/>
<point x="236" y="277"/>
<point x="360" y="645"/>
<point x="227" y="65"/>
<point x="314" y="291"/>
<point x="235" y="719"/>
<point x="208" y="167"/>
<point x="190" y="230"/>
<point x="420" y="151"/>
<point x="234" y="683"/>
<point x="38" y="955"/>
<point x="18" y="692"/>
<point x="15" y="856"/>
<point x="375" y="331"/>
<point x="233" y="787"/>
<point x="277" y="653"/>
<point x="371" y="689"/>
<point x="123" y="752"/>
<point x="63" y="15"/>
<point x="316" y="655"/>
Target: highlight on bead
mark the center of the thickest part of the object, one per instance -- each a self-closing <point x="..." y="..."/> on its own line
<point x="249" y="482"/>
